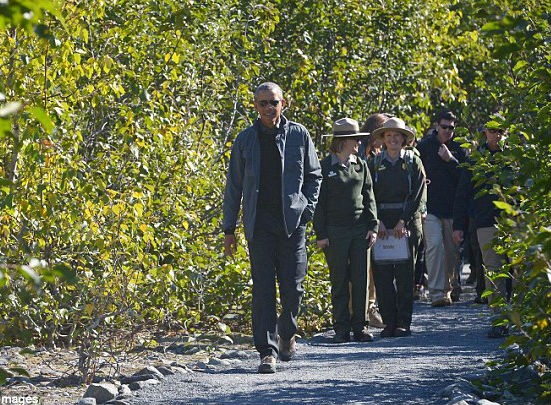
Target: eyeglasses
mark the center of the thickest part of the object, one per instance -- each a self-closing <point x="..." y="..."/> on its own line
<point x="499" y="131"/>
<point x="450" y="127"/>
<point x="273" y="103"/>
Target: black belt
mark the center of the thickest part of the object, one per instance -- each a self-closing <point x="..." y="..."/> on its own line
<point x="391" y="206"/>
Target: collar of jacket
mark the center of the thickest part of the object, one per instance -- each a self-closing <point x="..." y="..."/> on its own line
<point x="387" y="157"/>
<point x="281" y="127"/>
<point x="353" y="159"/>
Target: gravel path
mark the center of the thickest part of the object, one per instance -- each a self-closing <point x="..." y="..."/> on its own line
<point x="447" y="344"/>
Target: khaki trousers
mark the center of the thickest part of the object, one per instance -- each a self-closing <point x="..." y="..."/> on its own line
<point x="441" y="257"/>
<point x="492" y="263"/>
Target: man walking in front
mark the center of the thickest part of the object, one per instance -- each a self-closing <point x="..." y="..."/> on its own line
<point x="441" y="157"/>
<point x="274" y="173"/>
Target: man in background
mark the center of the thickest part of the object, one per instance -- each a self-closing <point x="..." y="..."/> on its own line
<point x="441" y="157"/>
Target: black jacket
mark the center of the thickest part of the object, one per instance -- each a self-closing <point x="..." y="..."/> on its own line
<point x="476" y="200"/>
<point x="443" y="176"/>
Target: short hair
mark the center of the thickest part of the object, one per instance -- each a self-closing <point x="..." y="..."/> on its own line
<point x="446" y="115"/>
<point x="373" y="122"/>
<point x="337" y="144"/>
<point x="268" y="86"/>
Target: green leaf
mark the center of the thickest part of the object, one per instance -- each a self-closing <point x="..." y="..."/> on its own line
<point x="20" y="371"/>
<point x="65" y="272"/>
<point x="5" y="127"/>
<point x="486" y="293"/>
<point x="224" y="328"/>
<point x="4" y="375"/>
<point x="507" y="49"/>
<point x="10" y="372"/>
<point x="520" y="65"/>
<point x="29" y="274"/>
<point x="506" y="207"/>
<point x="492" y="27"/>
<point x="43" y="118"/>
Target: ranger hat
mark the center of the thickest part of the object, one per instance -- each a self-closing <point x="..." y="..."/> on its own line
<point x="395" y="124"/>
<point x="346" y="127"/>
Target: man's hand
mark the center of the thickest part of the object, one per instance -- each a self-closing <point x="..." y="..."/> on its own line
<point x="445" y="153"/>
<point x="371" y="238"/>
<point x="230" y="245"/>
<point x="322" y="243"/>
<point x="457" y="237"/>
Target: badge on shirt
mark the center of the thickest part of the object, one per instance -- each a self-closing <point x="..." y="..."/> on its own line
<point x="331" y="174"/>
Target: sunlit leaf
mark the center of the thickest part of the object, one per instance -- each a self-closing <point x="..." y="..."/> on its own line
<point x="43" y="118"/>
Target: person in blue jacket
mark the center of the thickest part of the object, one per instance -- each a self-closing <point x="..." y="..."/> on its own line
<point x="274" y="173"/>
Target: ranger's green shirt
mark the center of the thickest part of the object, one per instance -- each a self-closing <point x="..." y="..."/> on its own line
<point x="392" y="186"/>
<point x="346" y="196"/>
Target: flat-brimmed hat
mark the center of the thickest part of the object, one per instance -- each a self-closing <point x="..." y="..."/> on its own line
<point x="346" y="127"/>
<point x="395" y="124"/>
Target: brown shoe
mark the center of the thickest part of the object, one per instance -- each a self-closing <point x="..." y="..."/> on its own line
<point x="267" y="365"/>
<point x="455" y="294"/>
<point x="442" y="302"/>
<point x="387" y="332"/>
<point x="363" y="336"/>
<point x="375" y="319"/>
<point x="287" y="349"/>
<point x="480" y="300"/>
<point x="402" y="332"/>
<point x="341" y="337"/>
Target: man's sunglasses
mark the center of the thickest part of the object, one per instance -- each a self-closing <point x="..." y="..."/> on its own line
<point x="499" y="131"/>
<point x="450" y="127"/>
<point x="273" y="103"/>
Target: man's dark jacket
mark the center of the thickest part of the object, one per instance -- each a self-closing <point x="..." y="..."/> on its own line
<point x="442" y="176"/>
<point x="477" y="199"/>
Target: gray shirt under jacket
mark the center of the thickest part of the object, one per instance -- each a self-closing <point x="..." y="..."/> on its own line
<point x="300" y="181"/>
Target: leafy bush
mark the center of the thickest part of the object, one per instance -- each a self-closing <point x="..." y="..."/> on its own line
<point x="117" y="119"/>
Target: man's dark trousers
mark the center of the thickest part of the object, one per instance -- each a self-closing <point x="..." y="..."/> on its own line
<point x="273" y="256"/>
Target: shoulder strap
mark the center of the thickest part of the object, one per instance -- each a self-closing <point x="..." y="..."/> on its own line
<point x="408" y="157"/>
<point x="377" y="160"/>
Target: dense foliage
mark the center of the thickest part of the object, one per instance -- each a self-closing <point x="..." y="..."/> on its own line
<point x="116" y="120"/>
